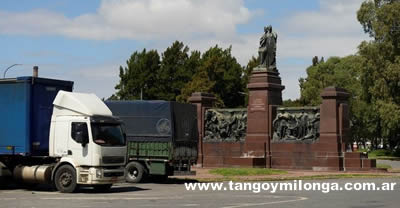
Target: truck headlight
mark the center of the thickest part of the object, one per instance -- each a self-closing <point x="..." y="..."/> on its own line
<point x="99" y="173"/>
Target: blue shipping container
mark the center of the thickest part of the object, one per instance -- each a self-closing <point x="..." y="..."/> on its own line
<point x="26" y="106"/>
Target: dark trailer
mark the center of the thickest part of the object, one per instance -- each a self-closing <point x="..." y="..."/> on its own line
<point x="162" y="137"/>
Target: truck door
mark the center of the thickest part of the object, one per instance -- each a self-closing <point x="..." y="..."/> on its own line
<point x="78" y="144"/>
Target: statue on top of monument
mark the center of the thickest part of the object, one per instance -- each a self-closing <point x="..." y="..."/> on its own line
<point x="267" y="50"/>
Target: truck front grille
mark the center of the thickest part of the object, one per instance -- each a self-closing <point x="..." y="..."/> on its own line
<point x="113" y="159"/>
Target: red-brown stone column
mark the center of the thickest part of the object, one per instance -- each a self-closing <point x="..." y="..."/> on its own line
<point x="334" y="130"/>
<point x="202" y="101"/>
<point x="331" y="144"/>
<point x="334" y="118"/>
<point x="265" y="93"/>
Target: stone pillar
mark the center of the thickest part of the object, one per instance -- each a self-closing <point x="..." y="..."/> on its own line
<point x="202" y="101"/>
<point x="265" y="94"/>
<point x="334" y="119"/>
<point x="334" y="133"/>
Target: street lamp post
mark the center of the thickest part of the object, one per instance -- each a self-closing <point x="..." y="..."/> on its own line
<point x="4" y="75"/>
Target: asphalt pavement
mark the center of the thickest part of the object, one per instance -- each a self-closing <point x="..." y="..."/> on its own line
<point x="176" y="195"/>
<point x="393" y="163"/>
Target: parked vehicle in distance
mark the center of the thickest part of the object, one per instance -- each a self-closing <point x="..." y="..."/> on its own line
<point x="49" y="134"/>
<point x="162" y="138"/>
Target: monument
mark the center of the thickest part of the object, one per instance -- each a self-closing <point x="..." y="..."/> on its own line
<point x="312" y="138"/>
<point x="265" y="90"/>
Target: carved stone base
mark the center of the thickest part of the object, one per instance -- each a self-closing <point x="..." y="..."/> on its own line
<point x="264" y="69"/>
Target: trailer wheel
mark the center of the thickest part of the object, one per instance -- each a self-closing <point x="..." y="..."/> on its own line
<point x="65" y="179"/>
<point x="135" y="172"/>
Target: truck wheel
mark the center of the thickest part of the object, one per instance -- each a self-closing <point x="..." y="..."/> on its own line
<point x="65" y="179"/>
<point x="102" y="187"/>
<point x="135" y="172"/>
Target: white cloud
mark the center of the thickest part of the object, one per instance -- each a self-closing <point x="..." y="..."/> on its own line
<point x="336" y="17"/>
<point x="330" y="30"/>
<point x="135" y="19"/>
<point x="308" y="47"/>
<point x="333" y="30"/>
<point x="100" y="79"/>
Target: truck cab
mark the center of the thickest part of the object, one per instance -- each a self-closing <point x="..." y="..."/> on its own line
<point x="51" y="135"/>
<point x="87" y="137"/>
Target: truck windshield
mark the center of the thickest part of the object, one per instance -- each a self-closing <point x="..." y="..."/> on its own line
<point x="108" y="134"/>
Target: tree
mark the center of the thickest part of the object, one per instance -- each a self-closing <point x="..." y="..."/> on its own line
<point x="199" y="83"/>
<point x="345" y="73"/>
<point x="177" y="68"/>
<point x="372" y="76"/>
<point x="219" y="73"/>
<point x="292" y="103"/>
<point x="253" y="63"/>
<point x="339" y="72"/>
<point x="139" y="78"/>
<point x="381" y="70"/>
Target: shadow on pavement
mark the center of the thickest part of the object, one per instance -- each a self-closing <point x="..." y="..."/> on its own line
<point x="9" y="185"/>
<point x="117" y="189"/>
<point x="151" y="180"/>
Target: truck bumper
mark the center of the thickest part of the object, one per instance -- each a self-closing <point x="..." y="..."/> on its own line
<point x="100" y="175"/>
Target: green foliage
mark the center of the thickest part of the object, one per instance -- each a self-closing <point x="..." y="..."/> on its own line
<point x="362" y="150"/>
<point x="381" y="69"/>
<point x="219" y="73"/>
<point x="384" y="154"/>
<point x="177" y="68"/>
<point x="253" y="63"/>
<point x="372" y="76"/>
<point x="384" y="166"/>
<point x="246" y="171"/>
<point x="381" y="152"/>
<point x="179" y="74"/>
<point x="146" y="75"/>
<point x="139" y="77"/>
<point x="345" y="73"/>
<point x="339" y="72"/>
<point x="200" y="83"/>
<point x="379" y="19"/>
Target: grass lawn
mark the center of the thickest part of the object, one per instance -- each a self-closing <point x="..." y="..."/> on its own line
<point x="283" y="178"/>
<point x="246" y="171"/>
<point x="383" y="166"/>
<point x="383" y="155"/>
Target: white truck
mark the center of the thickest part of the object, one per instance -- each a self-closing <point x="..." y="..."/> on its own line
<point x="67" y="139"/>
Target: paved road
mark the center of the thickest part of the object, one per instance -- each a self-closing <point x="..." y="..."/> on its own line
<point x="395" y="164"/>
<point x="175" y="195"/>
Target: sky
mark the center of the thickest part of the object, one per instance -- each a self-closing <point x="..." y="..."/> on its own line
<point x="87" y="41"/>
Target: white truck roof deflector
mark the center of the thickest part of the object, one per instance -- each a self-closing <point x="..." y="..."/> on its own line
<point x="81" y="103"/>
